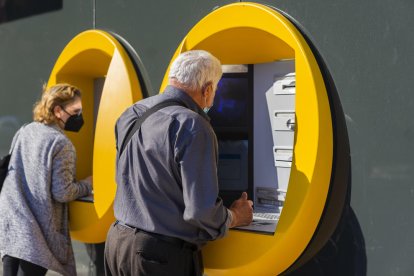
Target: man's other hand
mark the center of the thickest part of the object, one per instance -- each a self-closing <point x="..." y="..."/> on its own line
<point x="242" y="211"/>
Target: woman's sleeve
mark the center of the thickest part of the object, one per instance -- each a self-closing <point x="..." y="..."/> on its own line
<point x="65" y="188"/>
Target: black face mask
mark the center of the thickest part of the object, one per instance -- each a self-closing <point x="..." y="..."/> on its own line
<point x="74" y="122"/>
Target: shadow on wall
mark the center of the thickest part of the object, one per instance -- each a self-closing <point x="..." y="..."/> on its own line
<point x="16" y="9"/>
<point x="344" y="253"/>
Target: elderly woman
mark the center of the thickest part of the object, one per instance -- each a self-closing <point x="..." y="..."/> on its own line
<point x="34" y="234"/>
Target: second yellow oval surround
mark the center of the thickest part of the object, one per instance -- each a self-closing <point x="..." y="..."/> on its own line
<point x="90" y="55"/>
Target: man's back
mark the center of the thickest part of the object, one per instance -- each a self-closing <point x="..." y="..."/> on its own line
<point x="167" y="203"/>
<point x="167" y="179"/>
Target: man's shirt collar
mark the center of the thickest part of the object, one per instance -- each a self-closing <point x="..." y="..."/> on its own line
<point x="174" y="92"/>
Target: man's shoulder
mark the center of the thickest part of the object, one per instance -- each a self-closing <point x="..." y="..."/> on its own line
<point x="137" y="109"/>
<point x="142" y="105"/>
<point x="191" y="120"/>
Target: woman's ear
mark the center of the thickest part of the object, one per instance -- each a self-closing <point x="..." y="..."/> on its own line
<point x="57" y="111"/>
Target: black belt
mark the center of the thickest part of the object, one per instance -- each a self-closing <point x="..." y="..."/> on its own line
<point x="175" y="241"/>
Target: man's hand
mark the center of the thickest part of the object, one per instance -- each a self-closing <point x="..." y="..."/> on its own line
<point x="242" y="211"/>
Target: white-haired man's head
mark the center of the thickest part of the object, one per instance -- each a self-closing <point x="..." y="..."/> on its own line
<point x="194" y="69"/>
<point x="197" y="72"/>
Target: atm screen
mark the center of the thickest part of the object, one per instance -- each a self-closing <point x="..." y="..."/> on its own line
<point x="232" y="166"/>
<point x="231" y="119"/>
<point x="229" y="112"/>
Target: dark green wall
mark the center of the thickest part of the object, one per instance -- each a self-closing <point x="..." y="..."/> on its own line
<point x="29" y="48"/>
<point x="367" y="45"/>
<point x="154" y="30"/>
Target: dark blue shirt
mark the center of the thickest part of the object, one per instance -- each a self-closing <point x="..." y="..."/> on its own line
<point x="167" y="175"/>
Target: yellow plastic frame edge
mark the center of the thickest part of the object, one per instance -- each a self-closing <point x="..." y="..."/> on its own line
<point x="242" y="252"/>
<point x="91" y="55"/>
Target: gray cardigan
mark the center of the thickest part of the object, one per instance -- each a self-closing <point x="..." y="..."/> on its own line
<point x="33" y="201"/>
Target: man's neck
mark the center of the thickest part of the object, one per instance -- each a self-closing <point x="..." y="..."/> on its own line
<point x="194" y="94"/>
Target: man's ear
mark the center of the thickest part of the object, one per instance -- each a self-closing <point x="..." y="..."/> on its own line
<point x="207" y="88"/>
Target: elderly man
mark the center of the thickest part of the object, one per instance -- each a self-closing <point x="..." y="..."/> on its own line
<point x="167" y="205"/>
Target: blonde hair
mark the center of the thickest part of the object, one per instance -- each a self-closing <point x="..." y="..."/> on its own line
<point x="57" y="95"/>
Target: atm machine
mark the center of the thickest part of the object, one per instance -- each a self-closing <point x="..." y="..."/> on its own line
<point x="256" y="101"/>
<point x="100" y="65"/>
<point x="281" y="135"/>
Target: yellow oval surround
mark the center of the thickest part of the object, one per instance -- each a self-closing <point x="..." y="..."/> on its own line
<point x="249" y="33"/>
<point x="89" y="56"/>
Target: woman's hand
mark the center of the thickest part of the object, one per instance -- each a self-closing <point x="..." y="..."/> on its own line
<point x="89" y="181"/>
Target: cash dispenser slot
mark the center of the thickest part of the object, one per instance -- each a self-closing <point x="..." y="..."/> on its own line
<point x="284" y="121"/>
<point x="285" y="85"/>
<point x="283" y="156"/>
